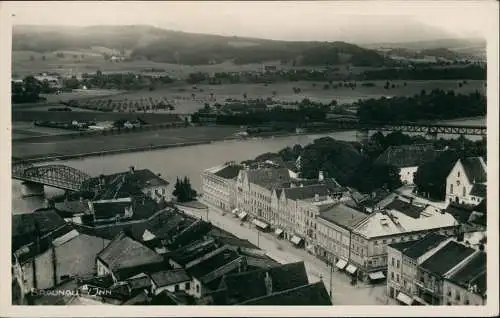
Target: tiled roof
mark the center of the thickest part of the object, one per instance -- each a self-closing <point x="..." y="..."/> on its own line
<point x="248" y="285"/>
<point x="473" y="273"/>
<point x="229" y="171"/>
<point x="407" y="155"/>
<point x="308" y="295"/>
<point x="139" y="282"/>
<point x="195" y="231"/>
<point x="186" y="254"/>
<point x="124" y="252"/>
<point x="72" y="206"/>
<point x="212" y="263"/>
<point x="170" y="277"/>
<point x="107" y="210"/>
<point x="300" y="193"/>
<point x="269" y="178"/>
<point x="481" y="207"/>
<point x="405" y="208"/>
<point x="459" y="211"/>
<point x="415" y="249"/>
<point x="342" y="215"/>
<point x="447" y="257"/>
<point x="474" y="169"/>
<point x="478" y="190"/>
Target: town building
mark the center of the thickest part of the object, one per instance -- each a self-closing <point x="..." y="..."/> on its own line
<point x="466" y="182"/>
<point x="131" y="183"/>
<point x="433" y="272"/>
<point x="399" y="221"/>
<point x="171" y="280"/>
<point x="407" y="158"/>
<point x="47" y="251"/>
<point x="124" y="257"/>
<point x="467" y="285"/>
<point x="334" y="227"/>
<point x="219" y="186"/>
<point x="254" y="188"/>
<point x="402" y="268"/>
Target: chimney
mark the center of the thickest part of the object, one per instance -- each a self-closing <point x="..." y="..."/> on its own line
<point x="321" y="176"/>
<point x="316" y="197"/>
<point x="132" y="169"/>
<point x="269" y="283"/>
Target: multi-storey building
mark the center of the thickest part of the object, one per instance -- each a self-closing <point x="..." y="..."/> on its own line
<point x="403" y="260"/>
<point x="400" y="221"/>
<point x="467" y="285"/>
<point x="334" y="226"/>
<point x="466" y="182"/>
<point x="434" y="271"/>
<point x="254" y="191"/>
<point x="219" y="186"/>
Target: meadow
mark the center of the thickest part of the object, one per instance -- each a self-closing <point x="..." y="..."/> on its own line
<point x="189" y="98"/>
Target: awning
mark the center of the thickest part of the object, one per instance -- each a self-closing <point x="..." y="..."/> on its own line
<point x="260" y="224"/>
<point x="341" y="264"/>
<point x="351" y="269"/>
<point x="376" y="275"/>
<point x="242" y="215"/>
<point x="405" y="299"/>
<point x="296" y="240"/>
<point x="278" y="232"/>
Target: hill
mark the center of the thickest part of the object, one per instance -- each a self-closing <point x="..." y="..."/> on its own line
<point x="161" y="45"/>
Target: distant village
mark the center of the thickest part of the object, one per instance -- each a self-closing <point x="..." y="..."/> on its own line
<point x="125" y="240"/>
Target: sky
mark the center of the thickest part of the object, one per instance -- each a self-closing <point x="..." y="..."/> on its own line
<point x="359" y="21"/>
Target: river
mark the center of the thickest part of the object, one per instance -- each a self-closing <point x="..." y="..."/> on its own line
<point x="184" y="161"/>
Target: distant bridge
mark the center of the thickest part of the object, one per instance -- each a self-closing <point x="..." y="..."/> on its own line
<point x="57" y="176"/>
<point x="432" y="129"/>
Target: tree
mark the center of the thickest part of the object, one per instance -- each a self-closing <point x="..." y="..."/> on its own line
<point x="183" y="190"/>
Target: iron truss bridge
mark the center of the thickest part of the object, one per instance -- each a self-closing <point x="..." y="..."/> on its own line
<point x="432" y="129"/>
<point x="57" y="176"/>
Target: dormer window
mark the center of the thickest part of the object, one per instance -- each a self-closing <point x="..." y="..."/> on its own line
<point x="458" y="174"/>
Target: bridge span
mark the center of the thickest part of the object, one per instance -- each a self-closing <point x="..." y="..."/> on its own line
<point x="57" y="176"/>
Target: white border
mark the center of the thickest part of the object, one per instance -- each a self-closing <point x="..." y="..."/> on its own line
<point x="6" y="309"/>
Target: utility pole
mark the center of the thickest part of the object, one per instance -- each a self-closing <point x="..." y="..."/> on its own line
<point x="258" y="239"/>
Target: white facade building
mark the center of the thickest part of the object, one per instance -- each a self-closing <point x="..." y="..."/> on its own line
<point x="466" y="182"/>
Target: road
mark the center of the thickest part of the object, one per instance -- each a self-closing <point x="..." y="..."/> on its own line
<point x="283" y="251"/>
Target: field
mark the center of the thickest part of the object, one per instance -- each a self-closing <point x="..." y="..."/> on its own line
<point x="27" y="129"/>
<point x="91" y="60"/>
<point x="45" y="147"/>
<point x="182" y="97"/>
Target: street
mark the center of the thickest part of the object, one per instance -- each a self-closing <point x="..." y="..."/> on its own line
<point x="282" y="251"/>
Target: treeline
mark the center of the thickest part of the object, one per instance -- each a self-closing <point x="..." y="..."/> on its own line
<point x="471" y="72"/>
<point x="438" y="104"/>
<point x="27" y="91"/>
<point x="125" y="81"/>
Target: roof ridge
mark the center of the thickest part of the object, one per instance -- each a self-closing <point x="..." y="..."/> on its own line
<point x="283" y="291"/>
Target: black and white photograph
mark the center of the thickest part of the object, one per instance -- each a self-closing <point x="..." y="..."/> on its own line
<point x="328" y="154"/>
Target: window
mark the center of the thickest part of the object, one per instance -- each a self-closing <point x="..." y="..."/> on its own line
<point x="404" y="282"/>
<point x="384" y="241"/>
<point x="188" y="285"/>
<point x="451" y="188"/>
<point x="375" y="243"/>
<point x="197" y="288"/>
<point x="397" y="278"/>
<point x="392" y="275"/>
<point x="457" y="296"/>
<point x="449" y="291"/>
<point x="458" y="174"/>
<point x="463" y="192"/>
<point x="397" y="264"/>
<point x="392" y="261"/>
<point x="176" y="288"/>
<point x="163" y="190"/>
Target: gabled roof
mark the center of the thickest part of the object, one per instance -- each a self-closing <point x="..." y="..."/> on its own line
<point x="459" y="211"/>
<point x="248" y="285"/>
<point x="481" y="207"/>
<point x="169" y="277"/>
<point x="473" y="273"/>
<point x="124" y="252"/>
<point x="405" y="208"/>
<point x="447" y="257"/>
<point x="194" y="250"/>
<point x="139" y="282"/>
<point x="269" y="178"/>
<point x="229" y="171"/>
<point x="210" y="264"/>
<point x="342" y="215"/>
<point x="300" y="193"/>
<point x="478" y="190"/>
<point x="308" y="295"/>
<point x="415" y="249"/>
<point x="195" y="231"/>
<point x="72" y="206"/>
<point x="407" y="155"/>
<point x="474" y="169"/>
